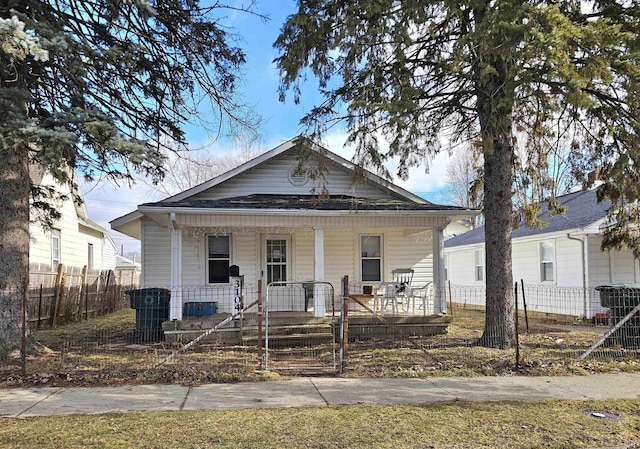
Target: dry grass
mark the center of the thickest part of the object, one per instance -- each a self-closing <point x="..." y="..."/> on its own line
<point x="100" y="352"/>
<point x="548" y="424"/>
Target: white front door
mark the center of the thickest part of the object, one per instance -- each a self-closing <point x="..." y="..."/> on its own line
<point x="277" y="267"/>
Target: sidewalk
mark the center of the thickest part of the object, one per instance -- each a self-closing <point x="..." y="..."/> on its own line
<point x="313" y="392"/>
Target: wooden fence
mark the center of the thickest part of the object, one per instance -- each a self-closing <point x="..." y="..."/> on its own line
<point x="72" y="294"/>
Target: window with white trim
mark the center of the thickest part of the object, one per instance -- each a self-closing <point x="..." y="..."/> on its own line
<point x="56" y="250"/>
<point x="547" y="257"/>
<point x="479" y="265"/>
<point x="90" y="256"/>
<point x="218" y="259"/>
<point x="446" y="267"/>
<point x="371" y="258"/>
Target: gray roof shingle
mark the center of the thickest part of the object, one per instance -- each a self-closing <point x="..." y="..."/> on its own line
<point x="306" y="202"/>
<point x="583" y="210"/>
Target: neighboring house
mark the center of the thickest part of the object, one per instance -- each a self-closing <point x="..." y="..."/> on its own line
<point x="74" y="240"/>
<point x="263" y="218"/>
<point x="127" y="265"/>
<point x="564" y="254"/>
<point x="109" y="254"/>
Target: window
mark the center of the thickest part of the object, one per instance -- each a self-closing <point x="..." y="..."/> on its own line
<point x="55" y="247"/>
<point x="370" y="256"/>
<point x="446" y="267"/>
<point x="90" y="256"/>
<point x="276" y="260"/>
<point x="479" y="263"/>
<point x="218" y="259"/>
<point x="546" y="261"/>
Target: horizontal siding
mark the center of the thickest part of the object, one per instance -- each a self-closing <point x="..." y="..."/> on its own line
<point x="272" y="223"/>
<point x="304" y="254"/>
<point x="414" y="251"/>
<point x="599" y="271"/>
<point x="526" y="262"/>
<point x="623" y="266"/>
<point x="461" y="266"/>
<point x="339" y="253"/>
<point x="569" y="262"/>
<point x="39" y="245"/>
<point x="273" y="178"/>
<point x="156" y="255"/>
<point x="193" y="260"/>
<point x="74" y="238"/>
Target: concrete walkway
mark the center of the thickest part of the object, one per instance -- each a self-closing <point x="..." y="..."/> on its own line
<point x="313" y="392"/>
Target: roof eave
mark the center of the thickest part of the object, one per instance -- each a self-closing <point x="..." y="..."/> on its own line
<point x="307" y="212"/>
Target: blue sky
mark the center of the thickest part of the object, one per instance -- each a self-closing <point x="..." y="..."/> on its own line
<point x="106" y="202"/>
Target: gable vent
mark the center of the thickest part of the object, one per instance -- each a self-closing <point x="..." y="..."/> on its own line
<point x="297" y="177"/>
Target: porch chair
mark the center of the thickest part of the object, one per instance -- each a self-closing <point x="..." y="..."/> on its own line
<point x="402" y="278"/>
<point x="421" y="293"/>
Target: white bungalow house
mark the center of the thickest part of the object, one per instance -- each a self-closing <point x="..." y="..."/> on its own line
<point x="74" y="240"/>
<point x="562" y="260"/>
<point x="265" y="218"/>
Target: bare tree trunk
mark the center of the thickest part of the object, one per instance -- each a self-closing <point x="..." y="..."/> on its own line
<point x="499" y="330"/>
<point x="14" y="244"/>
<point x="495" y="102"/>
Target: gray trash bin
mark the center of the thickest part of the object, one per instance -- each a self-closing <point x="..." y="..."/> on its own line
<point x="152" y="309"/>
<point x="622" y="299"/>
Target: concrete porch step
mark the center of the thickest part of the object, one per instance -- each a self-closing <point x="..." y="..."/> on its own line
<point x="291" y="340"/>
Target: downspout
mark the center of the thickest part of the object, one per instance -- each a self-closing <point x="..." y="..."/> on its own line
<point x="583" y="239"/>
<point x="438" y="259"/>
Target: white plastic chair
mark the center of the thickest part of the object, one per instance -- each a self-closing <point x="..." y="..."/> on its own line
<point x="421" y="293"/>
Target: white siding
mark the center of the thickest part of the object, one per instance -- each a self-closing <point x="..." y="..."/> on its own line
<point x="568" y="298"/>
<point x="273" y="178"/>
<point x="193" y="260"/>
<point x="409" y="251"/>
<point x="462" y="265"/>
<point x="272" y="223"/>
<point x="156" y="255"/>
<point x="608" y="267"/>
<point x="109" y="254"/>
<point x="74" y="237"/>
<point x="526" y="262"/>
<point x="303" y="247"/>
<point x="569" y="262"/>
<point x="623" y="266"/>
<point x="340" y="254"/>
<point x="599" y="270"/>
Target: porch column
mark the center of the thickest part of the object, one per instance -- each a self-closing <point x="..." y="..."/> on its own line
<point x="439" y="290"/>
<point x="175" y="309"/>
<point x="318" y="263"/>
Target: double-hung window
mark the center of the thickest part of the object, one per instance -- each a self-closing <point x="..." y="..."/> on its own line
<point x="371" y="258"/>
<point x="90" y="256"/>
<point x="55" y="247"/>
<point x="218" y="259"/>
<point x="479" y="265"/>
<point x="546" y="262"/>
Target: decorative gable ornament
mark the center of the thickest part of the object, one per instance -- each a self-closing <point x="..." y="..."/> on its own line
<point x="298" y="176"/>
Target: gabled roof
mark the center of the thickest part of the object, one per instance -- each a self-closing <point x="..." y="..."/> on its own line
<point x="396" y="198"/>
<point x="583" y="210"/>
<point x="286" y="146"/>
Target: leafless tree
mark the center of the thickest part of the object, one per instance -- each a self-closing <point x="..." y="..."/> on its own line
<point x="464" y="181"/>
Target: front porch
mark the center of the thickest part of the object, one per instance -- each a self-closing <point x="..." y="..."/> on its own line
<point x="287" y="314"/>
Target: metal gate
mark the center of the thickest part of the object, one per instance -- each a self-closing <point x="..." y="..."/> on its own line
<point x="301" y="328"/>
